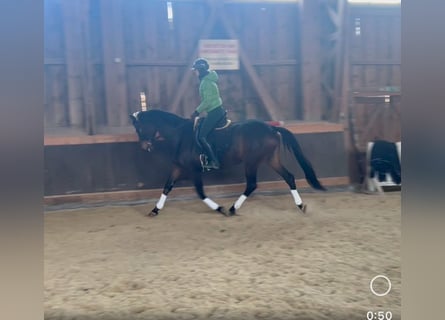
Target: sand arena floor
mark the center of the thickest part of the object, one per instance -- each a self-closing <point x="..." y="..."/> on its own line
<point x="270" y="262"/>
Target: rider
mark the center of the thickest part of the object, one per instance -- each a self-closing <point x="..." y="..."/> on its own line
<point x="211" y="103"/>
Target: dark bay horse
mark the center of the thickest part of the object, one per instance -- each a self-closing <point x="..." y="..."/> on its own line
<point x="251" y="142"/>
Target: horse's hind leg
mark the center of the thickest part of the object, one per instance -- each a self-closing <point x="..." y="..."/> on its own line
<point x="199" y="187"/>
<point x="251" y="185"/>
<point x="174" y="176"/>
<point x="275" y="163"/>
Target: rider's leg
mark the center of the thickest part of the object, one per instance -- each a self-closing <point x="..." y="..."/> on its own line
<point x="213" y="117"/>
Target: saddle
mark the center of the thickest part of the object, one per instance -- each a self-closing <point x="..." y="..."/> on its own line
<point x="223" y="123"/>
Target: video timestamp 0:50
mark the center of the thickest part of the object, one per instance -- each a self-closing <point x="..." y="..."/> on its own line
<point x="379" y="315"/>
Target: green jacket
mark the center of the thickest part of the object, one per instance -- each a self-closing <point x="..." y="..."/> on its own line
<point x="209" y="93"/>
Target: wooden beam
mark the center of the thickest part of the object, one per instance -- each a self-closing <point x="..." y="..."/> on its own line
<point x="345" y="108"/>
<point x="294" y="127"/>
<point x="88" y="69"/>
<point x="114" y="62"/>
<point x="314" y="127"/>
<point x="311" y="60"/>
<point x="54" y="61"/>
<point x="275" y="63"/>
<point x="156" y="63"/>
<point x="330" y="54"/>
<point x="342" y="23"/>
<point x="376" y="95"/>
<point x="160" y="63"/>
<point x="100" y="138"/>
<point x="259" y="86"/>
<point x="376" y="62"/>
<point x="74" y="52"/>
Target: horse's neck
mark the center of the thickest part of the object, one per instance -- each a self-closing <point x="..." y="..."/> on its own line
<point x="171" y="119"/>
<point x="175" y="133"/>
<point x="174" y="127"/>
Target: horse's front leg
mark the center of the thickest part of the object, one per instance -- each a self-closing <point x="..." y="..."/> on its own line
<point x="174" y="176"/>
<point x="251" y="185"/>
<point x="199" y="187"/>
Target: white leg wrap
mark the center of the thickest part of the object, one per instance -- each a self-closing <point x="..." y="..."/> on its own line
<point x="161" y="202"/>
<point x="240" y="201"/>
<point x="296" y="196"/>
<point x="212" y="204"/>
<point x="377" y="186"/>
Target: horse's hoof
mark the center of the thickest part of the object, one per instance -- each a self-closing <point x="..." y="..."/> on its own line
<point x="302" y="207"/>
<point x="223" y="211"/>
<point x="232" y="211"/>
<point x="154" y="212"/>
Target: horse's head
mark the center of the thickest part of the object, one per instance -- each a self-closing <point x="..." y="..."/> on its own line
<point x="154" y="126"/>
<point x="146" y="130"/>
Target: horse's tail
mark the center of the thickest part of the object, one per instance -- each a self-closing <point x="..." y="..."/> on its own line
<point x="292" y="144"/>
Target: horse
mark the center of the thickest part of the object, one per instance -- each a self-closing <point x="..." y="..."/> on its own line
<point x="251" y="142"/>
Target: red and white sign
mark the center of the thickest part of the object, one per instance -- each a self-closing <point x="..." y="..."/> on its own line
<point x="221" y="54"/>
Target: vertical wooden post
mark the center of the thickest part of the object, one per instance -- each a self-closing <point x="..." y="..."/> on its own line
<point x="88" y="74"/>
<point x="340" y="61"/>
<point x="347" y="100"/>
<point x="74" y="53"/>
<point x="311" y="57"/>
<point x="114" y="62"/>
<point x="55" y="110"/>
<point x="331" y="57"/>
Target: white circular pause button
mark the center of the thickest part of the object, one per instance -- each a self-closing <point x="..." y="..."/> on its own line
<point x="372" y="288"/>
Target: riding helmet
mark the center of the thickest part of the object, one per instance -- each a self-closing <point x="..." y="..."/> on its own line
<point x="200" y="64"/>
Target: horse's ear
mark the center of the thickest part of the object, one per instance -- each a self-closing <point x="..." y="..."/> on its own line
<point x="133" y="118"/>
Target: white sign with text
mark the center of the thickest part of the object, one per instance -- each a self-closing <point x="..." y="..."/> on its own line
<point x="221" y="54"/>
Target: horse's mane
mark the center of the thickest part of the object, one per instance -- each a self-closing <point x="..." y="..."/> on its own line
<point x="160" y="116"/>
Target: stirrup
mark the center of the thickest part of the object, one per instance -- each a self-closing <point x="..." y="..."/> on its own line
<point x="205" y="165"/>
<point x="204" y="162"/>
<point x="211" y="166"/>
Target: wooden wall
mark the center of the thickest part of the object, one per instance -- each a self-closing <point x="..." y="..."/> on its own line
<point x="372" y="81"/>
<point x="100" y="54"/>
<point x="107" y="167"/>
<point x="374" y="47"/>
<point x="374" y="38"/>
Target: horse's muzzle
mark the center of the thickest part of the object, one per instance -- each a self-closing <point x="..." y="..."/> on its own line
<point x="146" y="145"/>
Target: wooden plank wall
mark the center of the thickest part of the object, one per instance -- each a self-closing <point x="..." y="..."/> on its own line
<point x="105" y="167"/>
<point x="374" y="63"/>
<point x="56" y="92"/>
<point x="100" y="54"/>
<point x="270" y="36"/>
<point x="371" y="72"/>
<point x="375" y="52"/>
